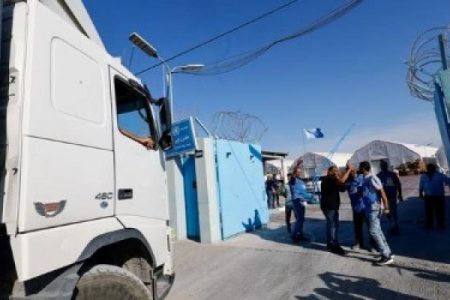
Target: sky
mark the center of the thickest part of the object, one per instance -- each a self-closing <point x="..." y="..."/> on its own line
<point x="350" y="72"/>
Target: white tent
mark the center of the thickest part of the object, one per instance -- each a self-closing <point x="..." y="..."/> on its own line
<point x="394" y="153"/>
<point x="316" y="163"/>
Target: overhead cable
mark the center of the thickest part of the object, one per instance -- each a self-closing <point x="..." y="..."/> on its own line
<point x="234" y="29"/>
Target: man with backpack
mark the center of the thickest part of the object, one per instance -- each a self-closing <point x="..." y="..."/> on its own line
<point x="373" y="197"/>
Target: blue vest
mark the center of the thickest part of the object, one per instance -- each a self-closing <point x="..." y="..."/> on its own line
<point x="354" y="187"/>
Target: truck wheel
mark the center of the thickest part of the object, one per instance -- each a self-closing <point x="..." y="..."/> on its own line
<point x="106" y="282"/>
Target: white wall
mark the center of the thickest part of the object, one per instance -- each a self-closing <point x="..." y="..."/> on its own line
<point x="207" y="194"/>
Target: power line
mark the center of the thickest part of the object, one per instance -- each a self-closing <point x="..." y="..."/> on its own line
<point x="220" y="35"/>
<point x="240" y="60"/>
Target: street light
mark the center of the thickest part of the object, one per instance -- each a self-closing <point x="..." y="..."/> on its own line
<point x="147" y="48"/>
<point x="191" y="68"/>
<point x="142" y="44"/>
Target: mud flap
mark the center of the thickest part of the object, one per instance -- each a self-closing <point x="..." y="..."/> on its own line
<point x="161" y="284"/>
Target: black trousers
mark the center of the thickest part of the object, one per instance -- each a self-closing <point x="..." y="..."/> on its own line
<point x="276" y="200"/>
<point x="288" y="213"/>
<point x="359" y="218"/>
<point x="434" y="207"/>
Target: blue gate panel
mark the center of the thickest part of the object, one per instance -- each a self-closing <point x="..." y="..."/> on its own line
<point x="190" y="196"/>
<point x="241" y="187"/>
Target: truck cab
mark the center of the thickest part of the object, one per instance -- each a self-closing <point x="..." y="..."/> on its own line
<point x="84" y="207"/>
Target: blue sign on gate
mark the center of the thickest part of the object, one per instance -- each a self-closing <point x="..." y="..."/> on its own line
<point x="183" y="138"/>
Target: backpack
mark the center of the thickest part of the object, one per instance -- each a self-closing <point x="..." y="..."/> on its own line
<point x="370" y="193"/>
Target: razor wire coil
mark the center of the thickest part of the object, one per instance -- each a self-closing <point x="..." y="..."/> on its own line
<point x="238" y="126"/>
<point x="425" y="62"/>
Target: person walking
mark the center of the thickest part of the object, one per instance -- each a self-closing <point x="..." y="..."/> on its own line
<point x="299" y="196"/>
<point x="288" y="207"/>
<point x="393" y="189"/>
<point x="372" y="191"/>
<point x="332" y="184"/>
<point x="431" y="189"/>
<point x="353" y="186"/>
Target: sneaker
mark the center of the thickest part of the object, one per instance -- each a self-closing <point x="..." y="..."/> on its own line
<point x="383" y="261"/>
<point x="297" y="238"/>
<point x="338" y="250"/>
<point x="304" y="239"/>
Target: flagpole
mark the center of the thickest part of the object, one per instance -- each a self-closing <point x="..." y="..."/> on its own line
<point x="304" y="142"/>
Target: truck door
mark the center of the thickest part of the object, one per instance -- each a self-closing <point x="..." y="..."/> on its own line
<point x="139" y="170"/>
<point x="67" y="149"/>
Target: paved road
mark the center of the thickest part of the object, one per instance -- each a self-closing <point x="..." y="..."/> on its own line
<point x="265" y="265"/>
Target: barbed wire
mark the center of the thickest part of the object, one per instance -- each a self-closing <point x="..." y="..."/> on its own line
<point x="240" y="60"/>
<point x="425" y="62"/>
<point x="237" y="126"/>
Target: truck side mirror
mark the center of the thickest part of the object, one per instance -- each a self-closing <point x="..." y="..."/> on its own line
<point x="165" y="142"/>
<point x="165" y="114"/>
<point x="165" y="117"/>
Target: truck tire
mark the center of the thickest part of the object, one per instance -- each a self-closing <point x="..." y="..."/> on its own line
<point x="106" y="282"/>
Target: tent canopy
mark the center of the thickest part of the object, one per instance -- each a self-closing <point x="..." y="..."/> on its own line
<point x="394" y="153"/>
<point x="316" y="163"/>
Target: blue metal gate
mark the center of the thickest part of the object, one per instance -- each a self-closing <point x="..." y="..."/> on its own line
<point x="190" y="195"/>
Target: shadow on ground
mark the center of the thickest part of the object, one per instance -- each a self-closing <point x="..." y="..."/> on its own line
<point x="412" y="242"/>
<point x="352" y="287"/>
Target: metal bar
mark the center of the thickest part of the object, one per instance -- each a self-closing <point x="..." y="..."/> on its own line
<point x="197" y="120"/>
<point x="443" y="52"/>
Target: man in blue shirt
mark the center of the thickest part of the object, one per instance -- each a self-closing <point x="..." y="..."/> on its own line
<point x="372" y="189"/>
<point x="393" y="189"/>
<point x="353" y="186"/>
<point x="299" y="195"/>
<point x="431" y="189"/>
<point x="288" y="207"/>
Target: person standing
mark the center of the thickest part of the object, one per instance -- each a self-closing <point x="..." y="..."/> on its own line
<point x="431" y="189"/>
<point x="393" y="189"/>
<point x="332" y="184"/>
<point x="353" y="186"/>
<point x="270" y="192"/>
<point x="299" y="196"/>
<point x="372" y="190"/>
<point x="276" y="190"/>
<point x="288" y="207"/>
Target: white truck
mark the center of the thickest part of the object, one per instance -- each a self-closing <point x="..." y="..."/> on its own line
<point x="83" y="204"/>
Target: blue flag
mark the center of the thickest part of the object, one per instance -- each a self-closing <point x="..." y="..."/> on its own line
<point x="314" y="133"/>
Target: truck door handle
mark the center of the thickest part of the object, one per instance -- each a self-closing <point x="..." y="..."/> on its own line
<point x="125" y="194"/>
